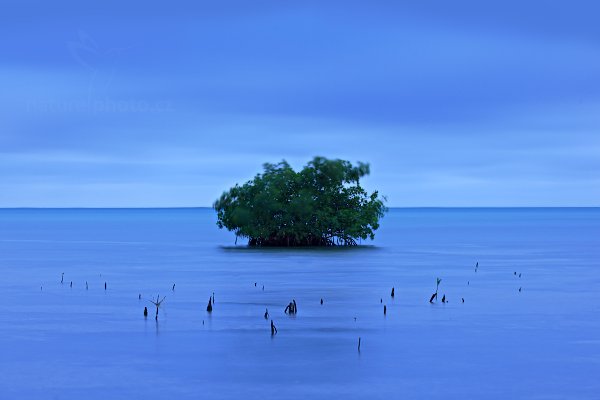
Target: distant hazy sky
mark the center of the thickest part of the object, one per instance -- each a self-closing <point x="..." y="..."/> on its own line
<point x="454" y="103"/>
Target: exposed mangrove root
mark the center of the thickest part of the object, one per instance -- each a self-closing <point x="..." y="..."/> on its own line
<point x="437" y="285"/>
<point x="289" y="241"/>
<point x="158" y="302"/>
<point x="273" y="328"/>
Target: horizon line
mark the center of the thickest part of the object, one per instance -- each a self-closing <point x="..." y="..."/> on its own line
<point x="209" y="207"/>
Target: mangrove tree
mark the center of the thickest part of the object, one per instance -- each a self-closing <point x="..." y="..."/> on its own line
<point x="321" y="205"/>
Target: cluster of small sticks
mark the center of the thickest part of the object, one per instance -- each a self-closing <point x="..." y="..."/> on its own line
<point x="290" y="309"/>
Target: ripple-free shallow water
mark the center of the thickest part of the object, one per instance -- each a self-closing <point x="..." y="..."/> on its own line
<point x="59" y="342"/>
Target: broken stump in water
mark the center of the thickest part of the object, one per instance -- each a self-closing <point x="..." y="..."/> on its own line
<point x="209" y="306"/>
<point x="291" y="308"/>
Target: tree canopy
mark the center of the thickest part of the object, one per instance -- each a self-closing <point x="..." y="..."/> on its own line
<point x="321" y="205"/>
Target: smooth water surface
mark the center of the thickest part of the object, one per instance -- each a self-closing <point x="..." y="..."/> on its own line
<point x="63" y="342"/>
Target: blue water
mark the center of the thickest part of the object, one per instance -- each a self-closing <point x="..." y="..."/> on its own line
<point x="63" y="342"/>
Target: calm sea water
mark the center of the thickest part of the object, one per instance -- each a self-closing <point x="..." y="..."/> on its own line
<point x="63" y="342"/>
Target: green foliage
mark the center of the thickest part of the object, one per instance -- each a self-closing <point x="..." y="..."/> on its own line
<point x="321" y="205"/>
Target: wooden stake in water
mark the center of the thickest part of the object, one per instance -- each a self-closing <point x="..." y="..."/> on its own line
<point x="359" y="344"/>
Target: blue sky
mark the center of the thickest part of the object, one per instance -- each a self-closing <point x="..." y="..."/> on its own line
<point x="462" y="103"/>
